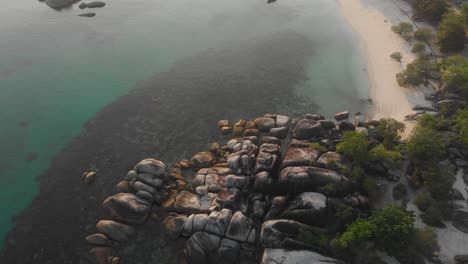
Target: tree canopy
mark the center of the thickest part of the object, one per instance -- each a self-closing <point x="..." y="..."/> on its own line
<point x="425" y="143"/>
<point x="430" y="10"/>
<point x="390" y="229"/>
<point x="451" y="34"/>
<point x="355" y="146"/>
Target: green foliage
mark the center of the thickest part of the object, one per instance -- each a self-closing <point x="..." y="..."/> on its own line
<point x="390" y="229"/>
<point x="415" y="73"/>
<point x="461" y="125"/>
<point x="391" y="157"/>
<point x="465" y="12"/>
<point x="438" y="181"/>
<point x="419" y="48"/>
<point x="400" y="192"/>
<point x="355" y="146"/>
<point x="313" y="238"/>
<point x="425" y="241"/>
<point x="358" y="233"/>
<point x="451" y="33"/>
<point x="455" y="73"/>
<point x="423" y="34"/>
<point x="423" y="201"/>
<point x="430" y="10"/>
<point x="404" y="29"/>
<point x="396" y="56"/>
<point x="390" y="129"/>
<point x="425" y="143"/>
<point x="318" y="147"/>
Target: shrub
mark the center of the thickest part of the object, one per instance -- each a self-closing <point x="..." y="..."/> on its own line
<point x="423" y="201"/>
<point x="438" y="181"/>
<point x="354" y="145"/>
<point x="391" y="157"/>
<point x="314" y="238"/>
<point x="399" y="192"/>
<point x="390" y="129"/>
<point x="425" y="241"/>
<point x="423" y="34"/>
<point x="451" y="33"/>
<point x="318" y="147"/>
<point x="404" y="29"/>
<point x="419" y="48"/>
<point x="396" y="56"/>
<point x="390" y="229"/>
<point x="461" y="125"/>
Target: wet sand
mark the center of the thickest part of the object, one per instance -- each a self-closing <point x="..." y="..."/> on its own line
<point x="246" y="81"/>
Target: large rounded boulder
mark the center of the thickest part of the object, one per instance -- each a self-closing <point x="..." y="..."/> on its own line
<point x="128" y="208"/>
<point x="307" y="128"/>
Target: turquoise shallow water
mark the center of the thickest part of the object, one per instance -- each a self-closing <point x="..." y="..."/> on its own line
<point x="57" y="70"/>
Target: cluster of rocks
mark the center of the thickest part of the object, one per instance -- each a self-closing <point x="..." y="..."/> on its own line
<point x="251" y="202"/>
<point x="143" y="187"/>
<point x="260" y="198"/>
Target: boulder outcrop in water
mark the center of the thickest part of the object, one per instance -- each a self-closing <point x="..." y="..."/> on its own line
<point x="256" y="199"/>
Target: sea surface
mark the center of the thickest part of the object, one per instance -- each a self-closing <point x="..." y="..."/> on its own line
<point x="203" y="60"/>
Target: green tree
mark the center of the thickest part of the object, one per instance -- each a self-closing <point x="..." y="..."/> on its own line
<point x="451" y="34"/>
<point x="391" y="229"/>
<point x="425" y="241"/>
<point x="461" y="125"/>
<point x="396" y="56"/>
<point x="418" y="48"/>
<point x="438" y="181"/>
<point x="390" y="130"/>
<point x="430" y="10"/>
<point x="355" y="146"/>
<point x="425" y="143"/>
<point x="381" y="153"/>
<point x="455" y="73"/>
<point x="416" y="73"/>
<point x="423" y="34"/>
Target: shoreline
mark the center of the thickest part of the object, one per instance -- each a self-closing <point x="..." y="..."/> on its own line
<point x="372" y="21"/>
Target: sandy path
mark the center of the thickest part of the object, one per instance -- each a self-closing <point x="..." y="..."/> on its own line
<point x="372" y="20"/>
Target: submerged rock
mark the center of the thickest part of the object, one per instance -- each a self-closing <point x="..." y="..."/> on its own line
<point x="87" y="15"/>
<point x="94" y="4"/>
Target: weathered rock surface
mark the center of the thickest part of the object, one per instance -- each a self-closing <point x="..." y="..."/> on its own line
<point x="203" y="160"/>
<point x="308" y="208"/>
<point x="284" y="256"/>
<point x="151" y="166"/>
<point x="307" y="128"/>
<point x="308" y="178"/>
<point x="288" y="234"/>
<point x="460" y="220"/>
<point x="114" y="230"/>
<point x="128" y="208"/>
<point x="342" y="116"/>
<point x="264" y="124"/>
<point x="333" y="160"/>
<point x="299" y="157"/>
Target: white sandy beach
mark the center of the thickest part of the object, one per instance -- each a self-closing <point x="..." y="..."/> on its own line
<point x="372" y="20"/>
